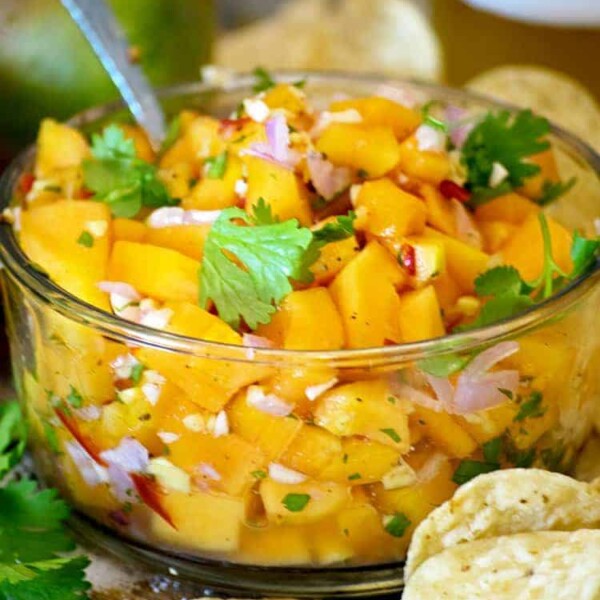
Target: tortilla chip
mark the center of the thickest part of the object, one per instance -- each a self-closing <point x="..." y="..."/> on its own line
<point x="502" y="503"/>
<point x="391" y="37"/>
<point x="527" y="566"/>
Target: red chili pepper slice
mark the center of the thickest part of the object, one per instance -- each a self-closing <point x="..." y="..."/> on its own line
<point x="407" y="258"/>
<point x="449" y="189"/>
<point x="150" y="494"/>
<point x="227" y="126"/>
<point x="87" y="444"/>
<point x="26" y="182"/>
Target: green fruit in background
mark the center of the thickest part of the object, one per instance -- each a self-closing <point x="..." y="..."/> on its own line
<point x="47" y="68"/>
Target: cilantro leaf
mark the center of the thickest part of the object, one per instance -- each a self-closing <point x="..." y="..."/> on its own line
<point x="117" y="177"/>
<point x="215" y="166"/>
<point x="505" y="139"/>
<point x="262" y="213"/>
<point x="397" y="525"/>
<point x="270" y="255"/>
<point x="492" y="450"/>
<point x="31" y="523"/>
<point x="430" y="120"/>
<point x="262" y="80"/>
<point x="585" y="255"/>
<point x="392" y="434"/>
<point x="75" y="399"/>
<point x="86" y="239"/>
<point x="553" y="190"/>
<point x="13" y="436"/>
<point x="54" y="579"/>
<point x="340" y="229"/>
<point x="509" y="295"/>
<point x="469" y="469"/>
<point x="531" y="408"/>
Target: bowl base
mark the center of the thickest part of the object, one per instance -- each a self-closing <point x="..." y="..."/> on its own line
<point x="228" y="579"/>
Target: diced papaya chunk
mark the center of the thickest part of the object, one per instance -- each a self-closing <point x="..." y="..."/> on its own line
<point x="420" y="315"/>
<point x="128" y="230"/>
<point x="485" y="425"/>
<point x="74" y="265"/>
<point x="511" y="208"/>
<point x="216" y="193"/>
<point x="187" y="239"/>
<point x="199" y="140"/>
<point x="204" y="522"/>
<point x="525" y="248"/>
<point x="140" y="140"/>
<point x="533" y="187"/>
<point x="233" y="459"/>
<point x="329" y="544"/>
<point x="319" y="500"/>
<point x="306" y="320"/>
<point x="271" y="434"/>
<point x="286" y="97"/>
<point x="447" y="290"/>
<point x="58" y="147"/>
<point x="177" y="179"/>
<point x="364" y="408"/>
<point x="495" y="234"/>
<point x="311" y="450"/>
<point x="280" y="189"/>
<point x="371" y="149"/>
<point x="442" y="429"/>
<point x="417" y="501"/>
<point x="157" y="272"/>
<point x="386" y="211"/>
<point x="381" y="112"/>
<point x="365" y="294"/>
<point x="360" y="462"/>
<point x="431" y="167"/>
<point x="208" y="382"/>
<point x="440" y="214"/>
<point x="334" y="256"/>
<point x="275" y="545"/>
<point x="464" y="263"/>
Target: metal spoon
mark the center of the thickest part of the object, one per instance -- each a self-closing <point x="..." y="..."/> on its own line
<point x="100" y="27"/>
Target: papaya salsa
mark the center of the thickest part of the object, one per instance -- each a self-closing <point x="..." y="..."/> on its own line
<point x="371" y="222"/>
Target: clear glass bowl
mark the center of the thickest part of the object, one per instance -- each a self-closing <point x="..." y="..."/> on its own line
<point x="233" y="528"/>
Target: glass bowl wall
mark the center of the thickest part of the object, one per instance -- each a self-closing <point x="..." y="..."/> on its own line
<point x="229" y="524"/>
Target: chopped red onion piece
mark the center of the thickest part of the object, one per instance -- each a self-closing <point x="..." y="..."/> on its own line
<point x="256" y="341"/>
<point x="267" y="403"/>
<point x="328" y="179"/>
<point x="128" y="292"/>
<point x="282" y="474"/>
<point x="130" y="455"/>
<point x="430" y="139"/>
<point x="93" y="474"/>
<point x="312" y="392"/>
<point x="466" y="231"/>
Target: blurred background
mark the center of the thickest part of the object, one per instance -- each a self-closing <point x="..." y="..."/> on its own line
<point x="539" y="53"/>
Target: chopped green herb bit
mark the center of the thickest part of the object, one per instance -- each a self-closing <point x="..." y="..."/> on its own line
<point x="443" y="366"/>
<point x="505" y="139"/>
<point x="362" y="174"/>
<point x="86" y="239"/>
<point x="523" y="459"/>
<point x="345" y="459"/>
<point x="354" y="476"/>
<point x="531" y="408"/>
<point x="215" y="166"/>
<point x="469" y="469"/>
<point x="51" y="437"/>
<point x="296" y="502"/>
<point x="75" y="399"/>
<point x="262" y="80"/>
<point x="397" y="524"/>
<point x="340" y="229"/>
<point x="392" y="434"/>
<point x="553" y="457"/>
<point x="301" y="83"/>
<point x="492" y="450"/>
<point x="506" y="393"/>
<point x="259" y="474"/>
<point x="136" y="373"/>
<point x="391" y="399"/>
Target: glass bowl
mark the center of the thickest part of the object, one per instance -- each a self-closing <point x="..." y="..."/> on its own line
<point x="227" y="514"/>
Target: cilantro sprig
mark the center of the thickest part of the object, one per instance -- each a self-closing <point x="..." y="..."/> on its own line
<point x="32" y="532"/>
<point x="507" y="140"/>
<point x="117" y="177"/>
<point x="250" y="260"/>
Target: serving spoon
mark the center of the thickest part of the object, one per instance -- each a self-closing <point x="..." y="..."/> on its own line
<point x="98" y="24"/>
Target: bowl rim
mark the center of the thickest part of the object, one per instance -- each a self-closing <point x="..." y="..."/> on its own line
<point x="34" y="280"/>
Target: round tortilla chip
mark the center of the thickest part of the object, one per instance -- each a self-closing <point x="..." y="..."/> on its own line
<point x="502" y="503"/>
<point x="555" y="95"/>
<point x="384" y="36"/>
<point x="527" y="566"/>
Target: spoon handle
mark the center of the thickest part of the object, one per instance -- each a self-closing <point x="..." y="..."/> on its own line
<point x="99" y="25"/>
